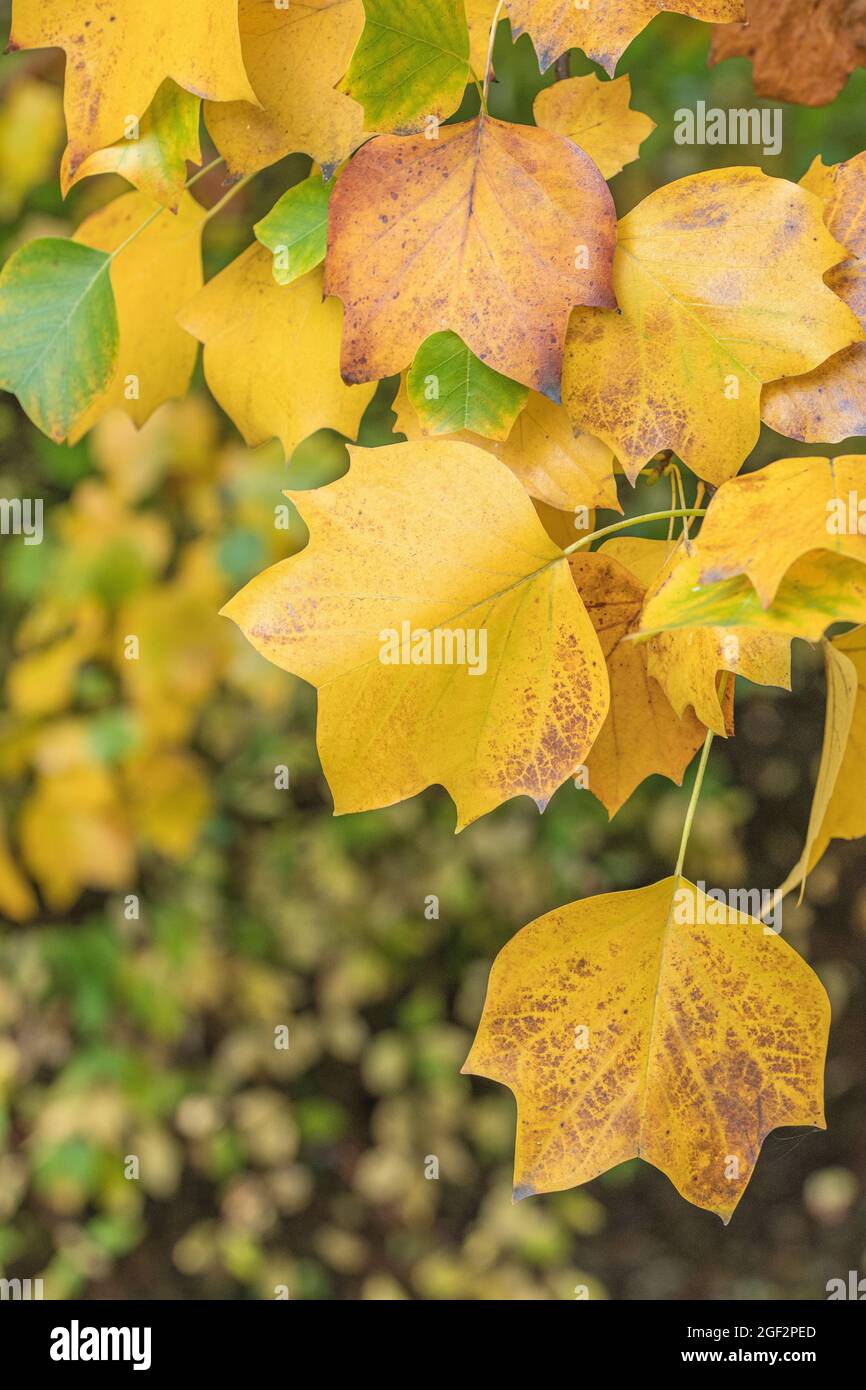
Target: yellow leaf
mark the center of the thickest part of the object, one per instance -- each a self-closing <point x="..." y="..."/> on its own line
<point x="152" y="277"/>
<point x="31" y="128"/>
<point x="169" y="800"/>
<point x="507" y="689"/>
<point x="656" y="1024"/>
<point x="117" y="56"/>
<point x="838" y="806"/>
<point x="17" y="899"/>
<point x="829" y="404"/>
<point x="492" y="230"/>
<point x="687" y="664"/>
<point x="42" y="682"/>
<point x="715" y="301"/>
<point x="555" y="465"/>
<point x="759" y="524"/>
<point x="641" y="735"/>
<point x="596" y="116"/>
<point x="74" y="835"/>
<point x="294" y="55"/>
<point x="272" y="353"/>
<point x="603" y="28"/>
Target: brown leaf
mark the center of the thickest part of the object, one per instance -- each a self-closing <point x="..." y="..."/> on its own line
<point x="802" y="51"/>
<point x="495" y="231"/>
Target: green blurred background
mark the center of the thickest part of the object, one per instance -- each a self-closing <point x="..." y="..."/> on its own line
<point x="153" y="1035"/>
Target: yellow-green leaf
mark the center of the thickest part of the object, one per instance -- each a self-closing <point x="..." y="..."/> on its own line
<point x="656" y="1024"/>
<point x="58" y="330"/>
<point x="295" y="230"/>
<point x="154" y="157"/>
<point x="448" y="643"/>
<point x="411" y="63"/>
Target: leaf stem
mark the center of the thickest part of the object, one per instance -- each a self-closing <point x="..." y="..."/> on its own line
<point x="488" y="68"/>
<point x="227" y="197"/>
<point x="633" y="521"/>
<point x="159" y="211"/>
<point x="696" y="790"/>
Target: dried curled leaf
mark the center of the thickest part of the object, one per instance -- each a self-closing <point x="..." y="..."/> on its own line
<point x="567" y="471"/>
<point x="602" y="28"/>
<point x="838" y="806"/>
<point x="801" y="53"/>
<point x="294" y="56"/>
<point x="492" y="230"/>
<point x="719" y="280"/>
<point x="448" y="644"/>
<point x="829" y="404"/>
<point x="596" y="116"/>
<point x="656" y="1024"/>
<point x="272" y="352"/>
<point x="117" y="57"/>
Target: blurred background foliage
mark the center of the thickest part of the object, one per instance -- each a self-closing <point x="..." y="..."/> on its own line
<point x="165" y="907"/>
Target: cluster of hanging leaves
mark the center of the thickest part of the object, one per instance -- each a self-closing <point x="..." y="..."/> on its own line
<point x="542" y="350"/>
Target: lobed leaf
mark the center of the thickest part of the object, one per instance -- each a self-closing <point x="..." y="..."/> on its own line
<point x="656" y="1024"/>
<point x="596" y="116"/>
<point x="714" y="302"/>
<point x="387" y="564"/>
<point x="271" y="353"/>
<point x="117" y="59"/>
<point x="492" y="230"/>
<point x="294" y="58"/>
<point x="800" y="53"/>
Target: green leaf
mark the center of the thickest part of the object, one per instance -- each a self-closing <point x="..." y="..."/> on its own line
<point x="296" y="229"/>
<point x="452" y="390"/>
<point x="58" y="330"/>
<point x="411" y="63"/>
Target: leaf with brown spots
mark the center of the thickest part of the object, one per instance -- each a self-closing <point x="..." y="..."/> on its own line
<point x="656" y="1024"/>
<point x="829" y="404"/>
<point x="602" y="28"/>
<point x="492" y="230"/>
<point x="801" y="53"/>
<point x="118" y="54"/>
<point x="719" y="281"/>
<point x="448" y="643"/>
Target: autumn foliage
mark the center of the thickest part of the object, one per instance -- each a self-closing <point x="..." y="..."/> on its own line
<point x="547" y="358"/>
